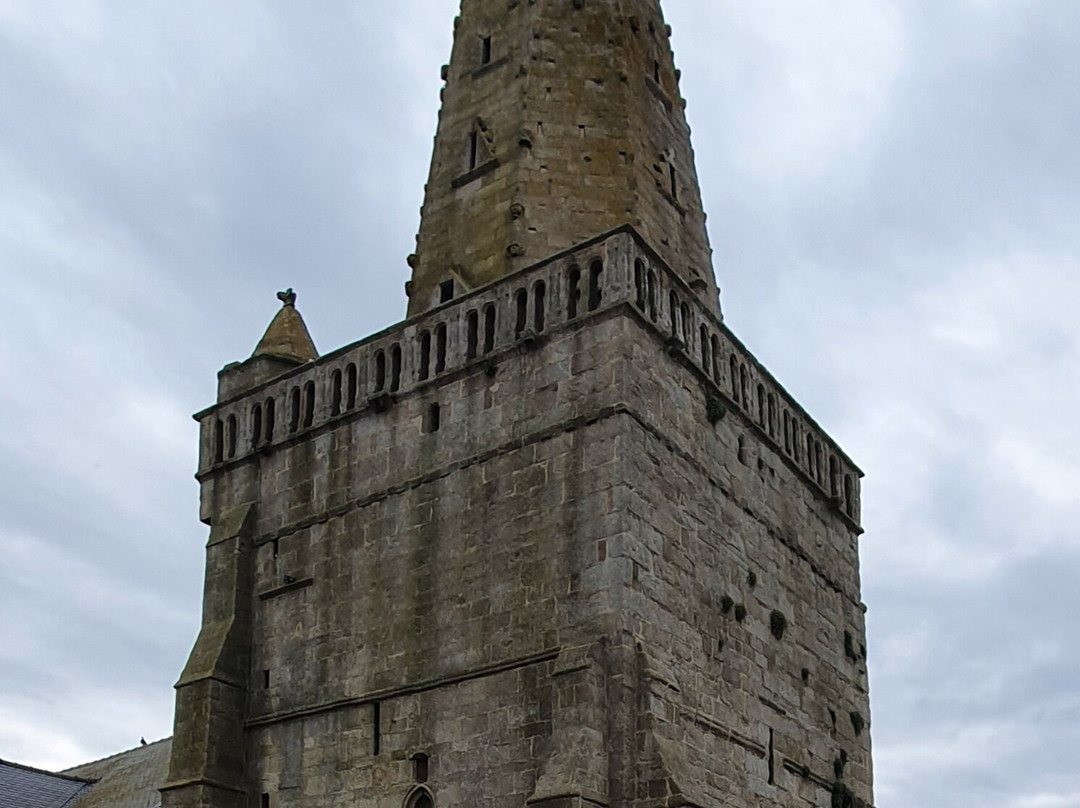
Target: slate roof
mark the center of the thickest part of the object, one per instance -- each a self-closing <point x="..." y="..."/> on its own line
<point x="24" y="787"/>
<point x="128" y="780"/>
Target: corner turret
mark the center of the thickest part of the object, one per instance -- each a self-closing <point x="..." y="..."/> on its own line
<point x="285" y="345"/>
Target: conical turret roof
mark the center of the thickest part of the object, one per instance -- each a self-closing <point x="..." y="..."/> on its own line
<point x="287" y="337"/>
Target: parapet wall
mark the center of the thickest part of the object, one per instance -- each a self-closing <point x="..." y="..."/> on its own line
<point x="616" y="269"/>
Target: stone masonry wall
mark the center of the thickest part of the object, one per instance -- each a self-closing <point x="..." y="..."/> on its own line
<point x="530" y="583"/>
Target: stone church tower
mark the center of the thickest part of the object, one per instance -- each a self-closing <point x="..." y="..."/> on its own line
<point x="557" y="540"/>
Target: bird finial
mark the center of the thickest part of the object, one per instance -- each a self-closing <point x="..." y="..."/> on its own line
<point x="288" y="297"/>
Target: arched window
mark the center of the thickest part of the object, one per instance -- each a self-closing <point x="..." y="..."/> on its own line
<point x="351" y="383"/>
<point x="743" y="388"/>
<point x="704" y="335"/>
<point x="489" y="328"/>
<point x="573" y="292"/>
<point x="761" y="404"/>
<point x="596" y="270"/>
<point x="650" y="280"/>
<point x="817" y="463"/>
<point x="810" y="453"/>
<point x="335" y="392"/>
<point x="834" y="477"/>
<point x="472" y="334"/>
<point x="772" y="415"/>
<point x="256" y="426"/>
<point x="270" y="418"/>
<point x="717" y="360"/>
<point x="539" y="291"/>
<point x="231" y="423"/>
<point x="521" y="302"/>
<point x="309" y="404"/>
<point x="795" y="439"/>
<point x="395" y="368"/>
<point x="420" y="798"/>
<point x="294" y="409"/>
<point x="673" y="313"/>
<point x="219" y="441"/>
<point x="639" y="284"/>
<point x="380" y="371"/>
<point x="787" y="432"/>
<point x="684" y="323"/>
<point x="425" y="356"/>
<point x="440" y="347"/>
<point x="849" y="496"/>
<point x="733" y="366"/>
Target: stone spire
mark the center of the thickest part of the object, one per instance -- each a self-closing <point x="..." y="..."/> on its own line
<point x="287" y="337"/>
<point x="560" y="122"/>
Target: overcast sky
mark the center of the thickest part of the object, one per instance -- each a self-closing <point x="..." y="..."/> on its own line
<point x="893" y="189"/>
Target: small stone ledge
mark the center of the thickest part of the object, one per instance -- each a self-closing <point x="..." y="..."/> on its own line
<point x="285" y="589"/>
<point x="673" y="201"/>
<point x="387" y="694"/>
<point x="661" y="96"/>
<point x="491" y="67"/>
<point x="475" y="174"/>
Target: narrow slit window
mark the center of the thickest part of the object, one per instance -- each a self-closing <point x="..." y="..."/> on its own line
<point x="787" y="432"/>
<point x="673" y="311"/>
<point x="656" y="71"/>
<point x="376" y="728"/>
<point x="489" y="329"/>
<point x="256" y="426"/>
<point x="734" y="367"/>
<point x="743" y="388"/>
<point x="446" y="291"/>
<point x="573" y="293"/>
<point x="265" y="802"/>
<point x="651" y="282"/>
<point x="420" y="767"/>
<point x="294" y="409"/>
<point x="219" y="441"/>
<point x="849" y="496"/>
<point x="639" y="283"/>
<point x="271" y="417"/>
<point x="810" y="453"/>
<point x="521" y="302"/>
<point x="266" y="679"/>
<point x="772" y="415"/>
<point x="425" y="356"/>
<point x="335" y="392"/>
<point x="485" y="51"/>
<point x="596" y="271"/>
<point x="380" y="371"/>
<point x="704" y="337"/>
<point x="673" y="176"/>
<point x="351" y="384"/>
<point x="834" y="477"/>
<point x="539" y="292"/>
<point x="231" y="423"/>
<point x="684" y="322"/>
<point x="309" y="404"/>
<point x="761" y="405"/>
<point x="395" y="368"/>
<point x="440" y="348"/>
<point x="474" y="149"/>
<point x="472" y="334"/>
<point x="717" y="360"/>
<point x="432" y="419"/>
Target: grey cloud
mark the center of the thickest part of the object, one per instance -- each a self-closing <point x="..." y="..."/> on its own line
<point x="892" y="191"/>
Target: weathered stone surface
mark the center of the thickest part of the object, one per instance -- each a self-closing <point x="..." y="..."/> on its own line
<point x="560" y="121"/>
<point x="559" y="541"/>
